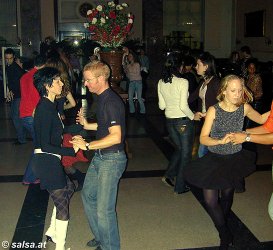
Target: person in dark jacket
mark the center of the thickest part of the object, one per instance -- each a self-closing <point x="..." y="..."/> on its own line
<point x="14" y="73"/>
<point x="188" y="62"/>
<point x="207" y="91"/>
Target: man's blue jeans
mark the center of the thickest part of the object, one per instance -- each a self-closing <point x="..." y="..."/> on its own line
<point x="99" y="196"/>
<point x="28" y="125"/>
<point x="135" y="87"/>
<point x="17" y="122"/>
<point x="181" y="132"/>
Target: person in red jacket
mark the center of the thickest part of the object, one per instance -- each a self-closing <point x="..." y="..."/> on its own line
<point x="261" y="135"/>
<point x="29" y="99"/>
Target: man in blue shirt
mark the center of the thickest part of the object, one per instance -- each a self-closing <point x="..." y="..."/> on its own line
<point x="100" y="188"/>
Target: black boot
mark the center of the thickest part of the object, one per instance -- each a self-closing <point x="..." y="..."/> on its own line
<point x="226" y="238"/>
<point x="79" y="177"/>
<point x="226" y="206"/>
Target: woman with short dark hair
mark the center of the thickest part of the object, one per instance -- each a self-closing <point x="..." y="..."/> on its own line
<point x="46" y="162"/>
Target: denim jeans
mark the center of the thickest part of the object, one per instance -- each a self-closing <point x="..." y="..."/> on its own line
<point x="99" y="196"/>
<point x="135" y="87"/>
<point x="202" y="150"/>
<point x="17" y="122"/>
<point x="28" y="125"/>
<point x="181" y="132"/>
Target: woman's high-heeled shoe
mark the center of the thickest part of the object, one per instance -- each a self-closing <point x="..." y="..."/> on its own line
<point x="225" y="246"/>
<point x="49" y="239"/>
<point x="226" y="238"/>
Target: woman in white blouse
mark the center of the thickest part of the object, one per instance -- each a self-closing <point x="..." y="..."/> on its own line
<point x="173" y="98"/>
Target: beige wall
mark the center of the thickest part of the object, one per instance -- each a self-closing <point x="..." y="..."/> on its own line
<point x="47" y="18"/>
<point x="259" y="48"/>
<point x="222" y="26"/>
<point x="219" y="30"/>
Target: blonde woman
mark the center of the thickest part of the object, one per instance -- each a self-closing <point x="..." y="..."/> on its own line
<point x="219" y="172"/>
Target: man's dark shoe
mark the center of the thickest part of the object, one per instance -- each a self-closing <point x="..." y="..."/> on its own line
<point x="167" y="181"/>
<point x="16" y="143"/>
<point x="93" y="243"/>
<point x="186" y="190"/>
<point x="98" y="248"/>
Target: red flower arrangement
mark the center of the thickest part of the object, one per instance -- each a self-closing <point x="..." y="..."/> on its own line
<point x="108" y="25"/>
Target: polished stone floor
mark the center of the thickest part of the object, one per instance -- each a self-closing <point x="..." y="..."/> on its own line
<point x="150" y="215"/>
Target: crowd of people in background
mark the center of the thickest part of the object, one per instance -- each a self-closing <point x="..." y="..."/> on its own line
<point x="224" y="98"/>
<point x="192" y="90"/>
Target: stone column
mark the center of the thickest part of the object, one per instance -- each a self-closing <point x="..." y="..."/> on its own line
<point x="30" y="17"/>
<point x="153" y="38"/>
<point x="219" y="30"/>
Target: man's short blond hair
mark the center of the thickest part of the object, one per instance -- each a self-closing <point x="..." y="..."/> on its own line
<point x="98" y="68"/>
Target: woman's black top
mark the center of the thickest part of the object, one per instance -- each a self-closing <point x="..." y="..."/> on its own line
<point x="48" y="137"/>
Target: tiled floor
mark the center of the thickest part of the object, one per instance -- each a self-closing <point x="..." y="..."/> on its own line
<point x="150" y="215"/>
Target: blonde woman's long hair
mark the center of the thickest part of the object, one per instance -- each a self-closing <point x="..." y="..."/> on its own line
<point x="246" y="94"/>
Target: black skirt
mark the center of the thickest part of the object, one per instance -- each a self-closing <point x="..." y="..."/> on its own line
<point x="49" y="170"/>
<point x="215" y="171"/>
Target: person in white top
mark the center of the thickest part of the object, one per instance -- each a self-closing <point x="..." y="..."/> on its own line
<point x="173" y="98"/>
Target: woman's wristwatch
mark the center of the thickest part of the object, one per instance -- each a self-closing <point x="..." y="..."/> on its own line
<point x="247" y="139"/>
